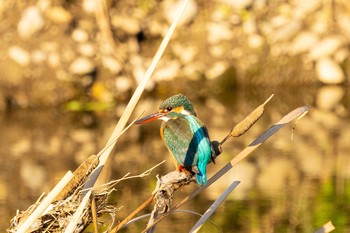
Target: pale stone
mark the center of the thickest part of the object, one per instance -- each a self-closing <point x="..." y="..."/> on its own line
<point x="249" y="26"/>
<point x="44" y="5"/>
<point x="172" y="8"/>
<point x="87" y="49"/>
<point x="303" y="8"/>
<point x="111" y="64"/>
<point x="53" y="60"/>
<point x="127" y="24"/>
<point x="81" y="66"/>
<point x="217" y="15"/>
<point x="279" y="21"/>
<point x="168" y="71"/>
<point x="255" y="41"/>
<point x="303" y="42"/>
<point x="33" y="175"/>
<point x="38" y="56"/>
<point x="343" y="20"/>
<point x="286" y="31"/>
<point x="68" y="55"/>
<point x="185" y="53"/>
<point x="123" y="84"/>
<point x="329" y="72"/>
<point x="80" y="35"/>
<point x="341" y="55"/>
<point x="217" y="50"/>
<point x="30" y="23"/>
<point x="328" y="97"/>
<point x="217" y="69"/>
<point x="59" y="15"/>
<point x="326" y="47"/>
<point x="89" y="6"/>
<point x="19" y="55"/>
<point x="81" y="135"/>
<point x="2" y="7"/>
<point x="20" y="147"/>
<point x="193" y="70"/>
<point x="218" y="32"/>
<point x="49" y="46"/>
<point x="320" y="26"/>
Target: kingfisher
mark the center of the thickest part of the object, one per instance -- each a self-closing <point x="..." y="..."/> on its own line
<point x="185" y="136"/>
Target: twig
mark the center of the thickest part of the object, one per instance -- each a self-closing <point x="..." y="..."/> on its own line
<point x="213" y="207"/>
<point x="132" y="215"/>
<point x="45" y="203"/>
<point x="127" y="177"/>
<point x="154" y="216"/>
<point x="244" y="153"/>
<point x="94" y="213"/>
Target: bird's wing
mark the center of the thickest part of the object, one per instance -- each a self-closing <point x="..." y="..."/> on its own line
<point x="177" y="137"/>
<point x="188" y="140"/>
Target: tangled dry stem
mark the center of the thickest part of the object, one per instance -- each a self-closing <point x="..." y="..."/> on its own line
<point x="61" y="212"/>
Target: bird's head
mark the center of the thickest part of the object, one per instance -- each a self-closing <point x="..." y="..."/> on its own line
<point x="170" y="108"/>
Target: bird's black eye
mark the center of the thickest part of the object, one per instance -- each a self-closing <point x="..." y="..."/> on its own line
<point x="169" y="109"/>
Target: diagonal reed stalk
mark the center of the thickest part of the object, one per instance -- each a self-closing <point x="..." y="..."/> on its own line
<point x="213" y="207"/>
<point x="295" y="114"/>
<point x="78" y="213"/>
<point x="45" y="203"/>
<point x="133" y="101"/>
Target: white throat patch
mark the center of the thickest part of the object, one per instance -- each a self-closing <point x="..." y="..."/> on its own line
<point x="185" y="112"/>
<point x="164" y="118"/>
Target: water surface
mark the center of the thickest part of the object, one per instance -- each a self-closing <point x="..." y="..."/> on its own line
<point x="286" y="185"/>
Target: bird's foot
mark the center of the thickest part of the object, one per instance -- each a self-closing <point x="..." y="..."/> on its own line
<point x="181" y="168"/>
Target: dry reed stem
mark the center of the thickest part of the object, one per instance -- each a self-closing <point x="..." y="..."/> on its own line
<point x="167" y="184"/>
<point x="213" y="207"/>
<point x="102" y="18"/>
<point x="59" y="215"/>
<point x="132" y="215"/>
<point x="296" y="113"/>
<point x="73" y="223"/>
<point x="45" y="203"/>
<point x="154" y="216"/>
<point x="133" y="101"/>
<point x="94" y="213"/>
<point x="328" y="227"/>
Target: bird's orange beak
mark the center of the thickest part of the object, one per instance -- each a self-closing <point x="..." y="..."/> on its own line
<point x="149" y="118"/>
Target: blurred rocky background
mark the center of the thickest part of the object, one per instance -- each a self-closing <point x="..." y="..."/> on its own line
<point x="66" y="76"/>
<point x="56" y="51"/>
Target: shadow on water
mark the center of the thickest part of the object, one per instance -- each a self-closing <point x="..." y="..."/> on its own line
<point x="286" y="185"/>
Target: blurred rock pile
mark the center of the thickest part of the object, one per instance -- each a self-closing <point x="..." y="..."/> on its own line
<point x="52" y="52"/>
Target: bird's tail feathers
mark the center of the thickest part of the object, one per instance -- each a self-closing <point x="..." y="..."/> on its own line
<point x="202" y="174"/>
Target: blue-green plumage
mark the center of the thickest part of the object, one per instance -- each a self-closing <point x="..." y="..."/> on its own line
<point x="185" y="135"/>
<point x="188" y="141"/>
